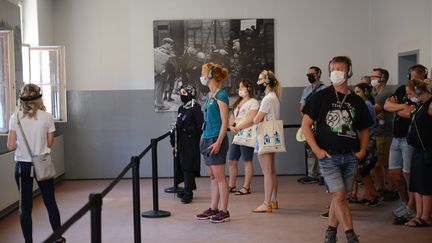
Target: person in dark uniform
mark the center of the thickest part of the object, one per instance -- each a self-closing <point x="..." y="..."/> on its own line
<point x="185" y="141"/>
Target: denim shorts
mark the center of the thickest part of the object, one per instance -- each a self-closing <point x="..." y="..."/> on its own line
<point x="400" y="155"/>
<point x="214" y="159"/>
<point x="339" y="171"/>
<point x="235" y="151"/>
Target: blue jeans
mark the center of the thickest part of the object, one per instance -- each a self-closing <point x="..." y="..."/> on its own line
<point x="24" y="182"/>
<point x="401" y="154"/>
<point x="339" y="171"/>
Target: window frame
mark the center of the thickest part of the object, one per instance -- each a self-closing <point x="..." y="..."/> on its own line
<point x="9" y="68"/>
<point x="61" y="74"/>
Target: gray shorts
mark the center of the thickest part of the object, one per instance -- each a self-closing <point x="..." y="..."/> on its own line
<point x="214" y="159"/>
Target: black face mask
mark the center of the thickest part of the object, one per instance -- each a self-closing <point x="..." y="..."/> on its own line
<point x="184" y="98"/>
<point x="311" y="78"/>
<point x="261" y="87"/>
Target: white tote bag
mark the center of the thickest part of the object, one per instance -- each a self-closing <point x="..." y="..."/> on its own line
<point x="246" y="136"/>
<point x="270" y="136"/>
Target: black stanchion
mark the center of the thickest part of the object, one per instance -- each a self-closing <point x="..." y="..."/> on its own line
<point x="175" y="188"/>
<point x="136" y="198"/>
<point x="155" y="213"/>
<point x="96" y="217"/>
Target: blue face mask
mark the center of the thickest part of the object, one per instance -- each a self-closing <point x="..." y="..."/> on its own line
<point x="203" y="81"/>
<point x="261" y="87"/>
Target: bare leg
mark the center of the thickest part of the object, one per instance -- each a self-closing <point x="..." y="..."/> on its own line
<point x="233" y="172"/>
<point x="214" y="203"/>
<point x="341" y="210"/>
<point x="427" y="207"/>
<point x="411" y="200"/>
<point x="248" y="174"/>
<point x="266" y="166"/>
<point x="221" y="182"/>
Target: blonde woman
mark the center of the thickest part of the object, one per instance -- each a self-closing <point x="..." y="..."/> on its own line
<point x="38" y="127"/>
<point x="214" y="142"/>
<point x="269" y="109"/>
<point x="244" y="110"/>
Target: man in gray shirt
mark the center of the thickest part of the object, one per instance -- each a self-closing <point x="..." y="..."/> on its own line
<point x="314" y="78"/>
<point x="384" y="129"/>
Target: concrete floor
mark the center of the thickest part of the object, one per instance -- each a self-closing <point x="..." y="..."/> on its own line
<point x="297" y="220"/>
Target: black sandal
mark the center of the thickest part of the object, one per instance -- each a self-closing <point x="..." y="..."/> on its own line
<point x="232" y="189"/>
<point x="243" y="191"/>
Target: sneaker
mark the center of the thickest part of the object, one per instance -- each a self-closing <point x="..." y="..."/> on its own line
<point x="409" y="213"/>
<point x="330" y="236"/>
<point x="206" y="214"/>
<point x="352" y="238"/>
<point x="220" y="217"/>
<point x="325" y="215"/>
<point x="375" y="201"/>
<point x="399" y="211"/>
<point x="308" y="180"/>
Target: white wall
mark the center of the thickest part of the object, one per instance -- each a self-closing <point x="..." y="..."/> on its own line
<point x="46" y="26"/>
<point x="109" y="43"/>
<point x="400" y="26"/>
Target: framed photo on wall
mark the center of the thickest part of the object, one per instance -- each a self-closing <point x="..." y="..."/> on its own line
<point x="244" y="46"/>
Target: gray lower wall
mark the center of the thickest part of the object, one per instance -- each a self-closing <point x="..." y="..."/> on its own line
<point x="105" y="128"/>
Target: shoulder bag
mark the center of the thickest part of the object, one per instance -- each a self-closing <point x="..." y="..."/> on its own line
<point x="43" y="166"/>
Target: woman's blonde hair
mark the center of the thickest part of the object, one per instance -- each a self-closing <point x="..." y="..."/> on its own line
<point x="31" y="100"/>
<point x="216" y="71"/>
<point x="272" y="81"/>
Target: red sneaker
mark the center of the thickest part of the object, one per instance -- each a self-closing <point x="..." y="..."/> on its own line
<point x="207" y="214"/>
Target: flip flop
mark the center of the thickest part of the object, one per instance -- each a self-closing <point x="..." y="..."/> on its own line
<point x="417" y="223"/>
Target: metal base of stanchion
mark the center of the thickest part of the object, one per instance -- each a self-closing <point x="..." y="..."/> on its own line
<point x="155" y="214"/>
<point x="174" y="189"/>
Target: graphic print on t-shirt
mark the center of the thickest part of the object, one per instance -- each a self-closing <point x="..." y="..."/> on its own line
<point x="340" y="120"/>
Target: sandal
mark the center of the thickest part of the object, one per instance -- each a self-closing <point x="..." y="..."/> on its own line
<point x="232" y="189"/>
<point x="418" y="223"/>
<point x="243" y="191"/>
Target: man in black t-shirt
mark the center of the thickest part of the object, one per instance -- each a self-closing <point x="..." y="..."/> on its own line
<point x="340" y="141"/>
<point x="400" y="155"/>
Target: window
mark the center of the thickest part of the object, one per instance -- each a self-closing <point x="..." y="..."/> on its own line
<point x="45" y="67"/>
<point x="7" y="79"/>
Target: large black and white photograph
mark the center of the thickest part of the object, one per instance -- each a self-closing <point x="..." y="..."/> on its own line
<point x="244" y="46"/>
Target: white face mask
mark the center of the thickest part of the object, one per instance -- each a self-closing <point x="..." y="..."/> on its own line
<point x="374" y="83"/>
<point x="337" y="77"/>
<point x="203" y="81"/>
<point x="414" y="99"/>
<point x="241" y="93"/>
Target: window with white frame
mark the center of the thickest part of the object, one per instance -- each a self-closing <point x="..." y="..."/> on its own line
<point x="45" y="67"/>
<point x="7" y="79"/>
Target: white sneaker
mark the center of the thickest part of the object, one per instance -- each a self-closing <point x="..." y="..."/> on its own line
<point x="400" y="210"/>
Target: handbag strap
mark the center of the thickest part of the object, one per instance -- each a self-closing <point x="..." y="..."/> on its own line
<point x="418" y="134"/>
<point x="24" y="136"/>
<point x="273" y="110"/>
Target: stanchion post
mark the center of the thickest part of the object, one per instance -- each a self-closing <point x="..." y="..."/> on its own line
<point x="156" y="213"/>
<point x="136" y="198"/>
<point x="175" y="188"/>
<point x="96" y="217"/>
